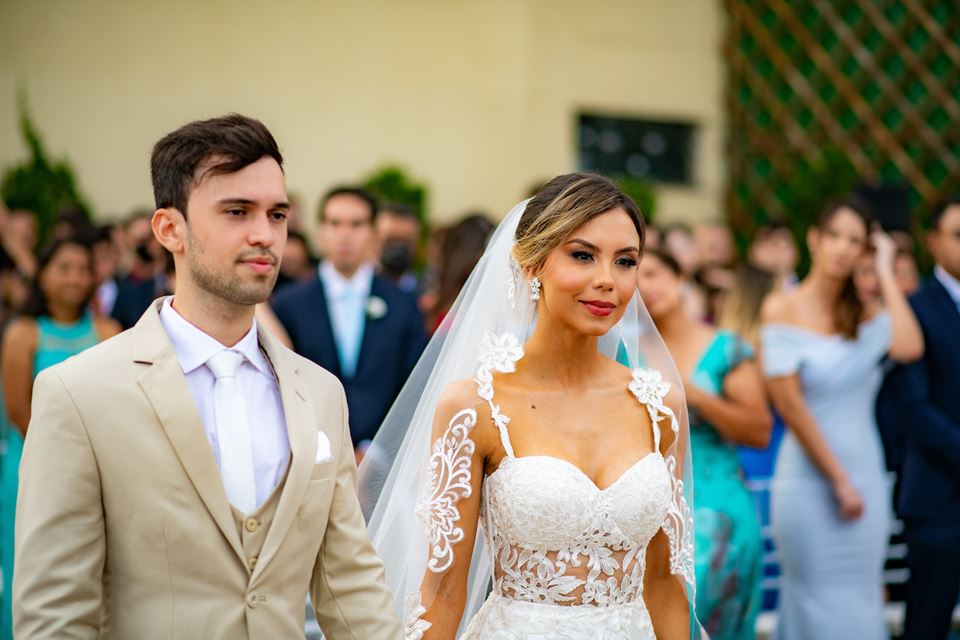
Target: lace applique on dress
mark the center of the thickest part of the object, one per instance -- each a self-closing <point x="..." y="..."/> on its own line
<point x="450" y="460"/>
<point x="649" y="387"/>
<point x="414" y="626"/>
<point x="555" y="537"/>
<point x="500" y="354"/>
<point x="451" y="457"/>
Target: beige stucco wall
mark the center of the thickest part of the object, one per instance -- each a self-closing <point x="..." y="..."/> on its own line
<point x="478" y="99"/>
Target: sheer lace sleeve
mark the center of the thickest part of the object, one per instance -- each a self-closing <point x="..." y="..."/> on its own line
<point x="448" y="509"/>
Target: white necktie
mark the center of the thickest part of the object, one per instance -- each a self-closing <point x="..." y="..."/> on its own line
<point x="233" y="431"/>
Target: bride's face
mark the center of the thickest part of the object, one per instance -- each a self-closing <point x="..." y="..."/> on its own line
<point x="589" y="279"/>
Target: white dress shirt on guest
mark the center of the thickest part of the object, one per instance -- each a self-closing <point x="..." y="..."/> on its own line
<point x="268" y="431"/>
<point x="347" y="302"/>
<point x="951" y="284"/>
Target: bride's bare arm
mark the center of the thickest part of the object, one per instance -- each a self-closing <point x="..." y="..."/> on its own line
<point x="444" y="587"/>
<point x="663" y="584"/>
<point x="663" y="592"/>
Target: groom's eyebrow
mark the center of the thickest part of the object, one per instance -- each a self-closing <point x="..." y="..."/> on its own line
<point x="593" y="247"/>
<point x="247" y="202"/>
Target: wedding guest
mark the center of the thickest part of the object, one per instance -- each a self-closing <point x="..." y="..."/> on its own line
<point x="12" y="295"/>
<point x="461" y="248"/>
<point x="14" y="288"/>
<point x="69" y="223"/>
<point x="106" y="257"/>
<point x="928" y="408"/>
<point x="774" y="248"/>
<point x="740" y="313"/>
<point x="867" y="280"/>
<point x="907" y="272"/>
<point x="822" y="350"/>
<point x="678" y="241"/>
<point x="351" y="321"/>
<point x="18" y="236"/>
<point x="298" y="264"/>
<point x="146" y="280"/>
<point x="740" y="308"/>
<point x="54" y="323"/>
<point x="398" y="235"/>
<point x="727" y="407"/>
<point x="714" y="245"/>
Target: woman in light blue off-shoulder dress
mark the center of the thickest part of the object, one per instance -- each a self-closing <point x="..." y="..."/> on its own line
<point x="822" y="352"/>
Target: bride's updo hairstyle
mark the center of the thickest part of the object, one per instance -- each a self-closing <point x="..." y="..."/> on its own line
<point x="562" y="206"/>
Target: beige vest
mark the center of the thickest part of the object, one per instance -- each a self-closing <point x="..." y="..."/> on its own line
<point x="253" y="527"/>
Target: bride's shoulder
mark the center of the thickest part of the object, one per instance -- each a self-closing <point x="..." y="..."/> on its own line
<point x="459" y="395"/>
<point x="461" y="402"/>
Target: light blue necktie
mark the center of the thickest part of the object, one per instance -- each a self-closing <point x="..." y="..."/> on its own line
<point x="351" y="331"/>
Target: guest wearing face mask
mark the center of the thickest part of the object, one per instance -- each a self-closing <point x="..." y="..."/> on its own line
<point x="349" y="319"/>
<point x="398" y="231"/>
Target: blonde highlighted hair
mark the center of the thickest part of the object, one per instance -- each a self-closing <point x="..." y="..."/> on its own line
<point x="562" y="206"/>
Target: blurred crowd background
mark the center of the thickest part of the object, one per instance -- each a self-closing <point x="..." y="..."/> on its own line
<point x="409" y="129"/>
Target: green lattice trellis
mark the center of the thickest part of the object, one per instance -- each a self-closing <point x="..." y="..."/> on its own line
<point x="822" y="94"/>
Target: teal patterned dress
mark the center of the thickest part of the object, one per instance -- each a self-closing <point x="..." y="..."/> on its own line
<point x="55" y="343"/>
<point x="729" y="547"/>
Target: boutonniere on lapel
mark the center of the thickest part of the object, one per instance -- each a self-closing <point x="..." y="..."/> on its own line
<point x="376" y="307"/>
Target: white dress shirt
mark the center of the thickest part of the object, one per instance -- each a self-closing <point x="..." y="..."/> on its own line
<point x="347" y="302"/>
<point x="951" y="284"/>
<point x="268" y="430"/>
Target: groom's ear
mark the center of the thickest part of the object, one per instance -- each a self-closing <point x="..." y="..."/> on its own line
<point x="170" y="228"/>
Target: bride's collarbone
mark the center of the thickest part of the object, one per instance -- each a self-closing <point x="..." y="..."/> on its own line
<point x="601" y="439"/>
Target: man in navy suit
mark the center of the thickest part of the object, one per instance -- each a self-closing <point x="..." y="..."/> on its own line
<point x="927" y="399"/>
<point x="351" y="321"/>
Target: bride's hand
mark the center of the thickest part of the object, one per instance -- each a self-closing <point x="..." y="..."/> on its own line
<point x="849" y="500"/>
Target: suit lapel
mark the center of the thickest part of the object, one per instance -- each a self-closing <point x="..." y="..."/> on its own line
<point x="945" y="307"/>
<point x="301" y="424"/>
<point x="166" y="388"/>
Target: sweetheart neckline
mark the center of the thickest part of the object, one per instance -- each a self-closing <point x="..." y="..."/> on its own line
<point x="578" y="470"/>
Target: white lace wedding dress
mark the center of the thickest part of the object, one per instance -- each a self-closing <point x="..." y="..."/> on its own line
<point x="568" y="556"/>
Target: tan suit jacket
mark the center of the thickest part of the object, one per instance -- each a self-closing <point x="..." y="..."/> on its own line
<point x="123" y="526"/>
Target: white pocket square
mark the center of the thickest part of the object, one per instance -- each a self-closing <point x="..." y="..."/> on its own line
<point x="323" y="448"/>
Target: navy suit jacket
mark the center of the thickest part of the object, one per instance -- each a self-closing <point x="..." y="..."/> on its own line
<point x="390" y="347"/>
<point x="926" y="396"/>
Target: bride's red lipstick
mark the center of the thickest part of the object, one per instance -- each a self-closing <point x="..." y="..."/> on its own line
<point x="599" y="307"/>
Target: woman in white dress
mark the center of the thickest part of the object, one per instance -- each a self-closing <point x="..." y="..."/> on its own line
<point x="522" y="451"/>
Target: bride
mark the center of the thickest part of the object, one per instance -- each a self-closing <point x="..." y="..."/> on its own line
<point x="523" y="456"/>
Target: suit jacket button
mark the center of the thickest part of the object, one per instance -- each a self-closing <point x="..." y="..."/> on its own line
<point x="253" y="600"/>
<point x="251" y="524"/>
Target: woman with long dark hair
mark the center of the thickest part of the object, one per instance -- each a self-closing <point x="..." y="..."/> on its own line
<point x="53" y="324"/>
<point x="822" y="348"/>
<point x="728" y="406"/>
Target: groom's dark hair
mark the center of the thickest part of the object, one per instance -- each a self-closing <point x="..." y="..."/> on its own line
<point x="219" y="145"/>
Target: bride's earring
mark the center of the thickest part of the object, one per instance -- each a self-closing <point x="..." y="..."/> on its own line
<point x="535" y="285"/>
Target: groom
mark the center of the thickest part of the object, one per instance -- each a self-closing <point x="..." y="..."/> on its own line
<point x="192" y="478"/>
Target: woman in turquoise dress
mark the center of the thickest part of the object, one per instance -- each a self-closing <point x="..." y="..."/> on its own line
<point x="728" y="407"/>
<point x="54" y="324"/>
